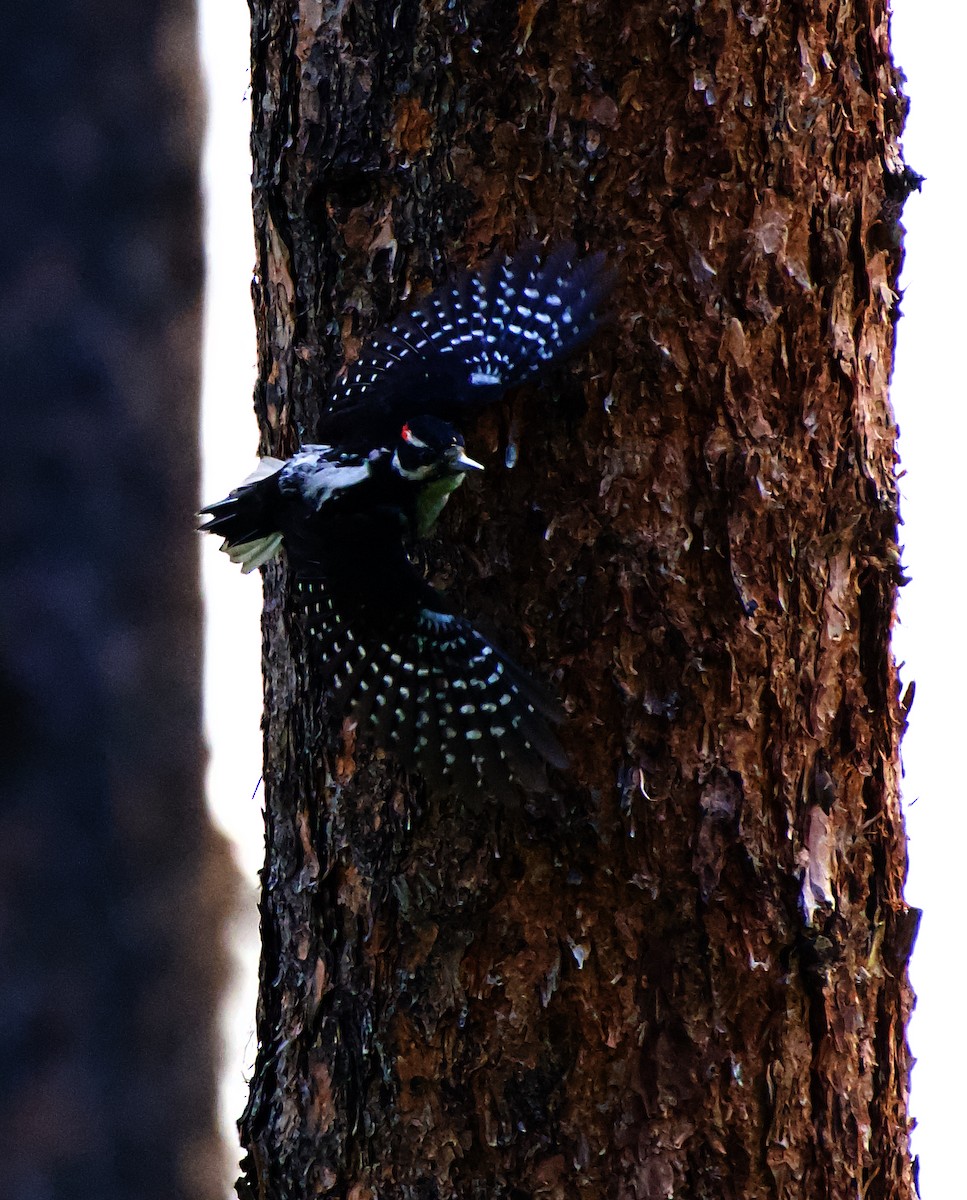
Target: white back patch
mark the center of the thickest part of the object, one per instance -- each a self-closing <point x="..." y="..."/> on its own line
<point x="267" y="466"/>
<point x="317" y="479"/>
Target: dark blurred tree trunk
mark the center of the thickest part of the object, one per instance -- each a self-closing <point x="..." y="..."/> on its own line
<point x="687" y="974"/>
<point x="112" y="883"/>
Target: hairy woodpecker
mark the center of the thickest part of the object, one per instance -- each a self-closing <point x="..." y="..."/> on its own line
<point x="393" y="655"/>
<point x="305" y="501"/>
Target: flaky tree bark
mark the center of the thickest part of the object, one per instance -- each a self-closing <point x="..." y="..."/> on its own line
<point x="113" y="885"/>
<point x="684" y="973"/>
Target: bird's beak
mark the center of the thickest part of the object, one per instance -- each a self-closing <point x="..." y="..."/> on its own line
<point x="459" y="462"/>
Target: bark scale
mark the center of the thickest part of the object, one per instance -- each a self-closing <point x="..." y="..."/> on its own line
<point x="683" y="973"/>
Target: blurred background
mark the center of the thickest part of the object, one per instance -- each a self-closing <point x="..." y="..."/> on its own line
<point x="125" y="912"/>
<point x="114" y="887"/>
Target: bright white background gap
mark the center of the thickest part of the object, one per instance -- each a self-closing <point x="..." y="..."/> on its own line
<point x="930" y="398"/>
<point x="233" y="602"/>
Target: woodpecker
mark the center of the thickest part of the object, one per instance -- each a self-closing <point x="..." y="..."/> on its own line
<point x="306" y="501"/>
<point x="393" y="655"/>
<point x="467" y="342"/>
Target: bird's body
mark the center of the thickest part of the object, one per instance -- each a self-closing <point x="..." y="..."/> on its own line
<point x="393" y="654"/>
<point x="326" y="498"/>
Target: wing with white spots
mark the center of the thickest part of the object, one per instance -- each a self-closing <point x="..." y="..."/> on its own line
<point x="469" y="341"/>
<point x="435" y="692"/>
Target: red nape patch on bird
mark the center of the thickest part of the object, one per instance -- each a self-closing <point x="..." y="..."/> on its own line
<point x="406" y="435"/>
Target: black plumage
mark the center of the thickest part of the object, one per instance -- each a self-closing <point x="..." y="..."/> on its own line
<point x="467" y="342"/>
<point x="394" y="656"/>
<point x="310" y="501"/>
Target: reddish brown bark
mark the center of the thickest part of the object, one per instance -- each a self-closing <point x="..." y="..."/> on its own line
<point x="684" y="974"/>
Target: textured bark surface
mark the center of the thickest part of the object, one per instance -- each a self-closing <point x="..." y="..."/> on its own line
<point x="112" y="883"/>
<point x="684" y="973"/>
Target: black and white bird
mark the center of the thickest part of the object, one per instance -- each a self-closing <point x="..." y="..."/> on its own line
<point x="304" y="502"/>
<point x="393" y="654"/>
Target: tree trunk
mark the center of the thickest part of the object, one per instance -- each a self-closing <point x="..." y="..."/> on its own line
<point x="684" y="972"/>
<point x="113" y="885"/>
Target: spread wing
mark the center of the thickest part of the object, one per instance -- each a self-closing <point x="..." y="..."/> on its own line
<point x="416" y="678"/>
<point x="468" y="342"/>
<point x="426" y="685"/>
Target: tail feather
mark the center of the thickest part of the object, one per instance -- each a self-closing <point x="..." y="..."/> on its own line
<point x="245" y="519"/>
<point x="252" y="555"/>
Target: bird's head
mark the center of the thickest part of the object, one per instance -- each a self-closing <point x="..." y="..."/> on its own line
<point x="431" y="449"/>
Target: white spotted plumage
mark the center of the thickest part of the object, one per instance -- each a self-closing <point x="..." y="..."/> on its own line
<point x="420" y="679"/>
<point x="461" y="683"/>
<point x="467" y="343"/>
